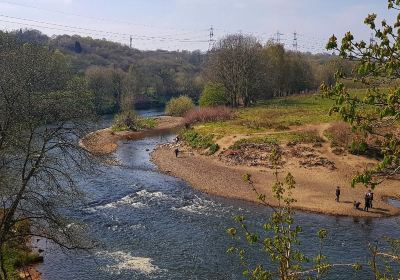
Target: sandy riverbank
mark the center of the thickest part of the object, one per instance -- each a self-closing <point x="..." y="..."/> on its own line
<point x="315" y="191"/>
<point x="30" y="273"/>
<point x="105" y="141"/>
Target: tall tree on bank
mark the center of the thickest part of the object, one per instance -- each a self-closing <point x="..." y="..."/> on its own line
<point x="42" y="110"/>
<point x="106" y="83"/>
<point x="235" y="62"/>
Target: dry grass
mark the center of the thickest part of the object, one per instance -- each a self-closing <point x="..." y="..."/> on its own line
<point x="340" y="134"/>
<point x="208" y="114"/>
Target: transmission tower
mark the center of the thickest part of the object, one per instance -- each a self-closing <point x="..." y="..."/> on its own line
<point x="130" y="42"/>
<point x="295" y="45"/>
<point x="211" y="40"/>
<point x="278" y="37"/>
<point x="372" y="39"/>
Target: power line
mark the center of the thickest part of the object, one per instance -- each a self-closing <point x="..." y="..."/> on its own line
<point x="120" y="37"/>
<point x="69" y="28"/>
<point x="103" y="19"/>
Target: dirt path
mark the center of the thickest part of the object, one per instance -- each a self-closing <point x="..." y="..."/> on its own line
<point x="315" y="186"/>
<point x="105" y="141"/>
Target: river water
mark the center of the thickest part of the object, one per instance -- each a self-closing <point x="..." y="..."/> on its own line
<point x="153" y="226"/>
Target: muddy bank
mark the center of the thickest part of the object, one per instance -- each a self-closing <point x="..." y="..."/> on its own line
<point x="315" y="191"/>
<point x="105" y="141"/>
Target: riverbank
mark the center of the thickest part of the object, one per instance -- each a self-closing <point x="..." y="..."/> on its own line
<point x="30" y="273"/>
<point x="315" y="189"/>
<point x="105" y="141"/>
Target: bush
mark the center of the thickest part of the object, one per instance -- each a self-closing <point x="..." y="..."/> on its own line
<point x="213" y="148"/>
<point x="178" y="107"/>
<point x="130" y="121"/>
<point x="208" y="114"/>
<point x="197" y="140"/>
<point x="213" y="95"/>
<point x="340" y="135"/>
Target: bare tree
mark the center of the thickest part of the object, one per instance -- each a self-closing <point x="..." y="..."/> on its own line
<point x="42" y="112"/>
<point x="236" y="63"/>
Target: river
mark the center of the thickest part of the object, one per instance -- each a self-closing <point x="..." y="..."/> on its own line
<point x="153" y="226"/>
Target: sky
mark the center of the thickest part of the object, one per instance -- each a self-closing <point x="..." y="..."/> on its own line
<point x="185" y="24"/>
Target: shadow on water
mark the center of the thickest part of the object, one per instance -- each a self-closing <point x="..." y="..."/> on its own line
<point x="153" y="226"/>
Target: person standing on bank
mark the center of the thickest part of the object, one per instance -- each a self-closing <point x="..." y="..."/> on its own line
<point x="367" y="202"/>
<point x="337" y="193"/>
<point x="371" y="198"/>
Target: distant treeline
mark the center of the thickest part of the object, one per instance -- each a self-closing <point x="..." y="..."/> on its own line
<point x="122" y="77"/>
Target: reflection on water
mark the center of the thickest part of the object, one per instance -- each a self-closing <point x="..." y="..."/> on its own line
<point x="153" y="226"/>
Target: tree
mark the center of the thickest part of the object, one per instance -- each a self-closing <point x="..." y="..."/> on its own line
<point x="213" y="95"/>
<point x="179" y="106"/>
<point x="106" y="85"/>
<point x="42" y="107"/>
<point x="78" y="48"/>
<point x="374" y="115"/>
<point x="130" y="89"/>
<point x="235" y="62"/>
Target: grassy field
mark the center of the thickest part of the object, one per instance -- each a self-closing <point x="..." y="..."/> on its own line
<point x="273" y="115"/>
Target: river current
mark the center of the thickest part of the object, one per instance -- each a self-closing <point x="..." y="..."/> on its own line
<point x="153" y="226"/>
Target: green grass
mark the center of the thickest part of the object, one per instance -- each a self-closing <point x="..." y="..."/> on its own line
<point x="308" y="137"/>
<point x="197" y="140"/>
<point x="276" y="114"/>
<point x="135" y="122"/>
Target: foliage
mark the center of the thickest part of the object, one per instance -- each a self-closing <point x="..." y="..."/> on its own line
<point x="213" y="148"/>
<point x="340" y="135"/>
<point x="179" y="106"/>
<point x="378" y="113"/>
<point x="43" y="108"/>
<point x="285" y="72"/>
<point x="106" y="85"/>
<point x="128" y="120"/>
<point x="197" y="140"/>
<point x="236" y="65"/>
<point x="151" y="78"/>
<point x="213" y="95"/>
<point x="208" y="114"/>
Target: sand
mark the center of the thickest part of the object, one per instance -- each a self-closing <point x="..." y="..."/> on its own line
<point x="315" y="190"/>
<point x="30" y="273"/>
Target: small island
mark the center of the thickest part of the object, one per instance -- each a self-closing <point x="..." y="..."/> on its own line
<point x="105" y="141"/>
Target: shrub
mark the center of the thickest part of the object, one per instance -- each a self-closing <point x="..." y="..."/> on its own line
<point x="178" y="107"/>
<point x="340" y="135"/>
<point x="208" y="114"/>
<point x="197" y="140"/>
<point x="130" y="121"/>
<point x="213" y="95"/>
<point x="213" y="148"/>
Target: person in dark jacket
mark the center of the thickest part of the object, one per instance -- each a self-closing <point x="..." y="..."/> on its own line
<point x="367" y="199"/>
<point x="176" y="152"/>
<point x="337" y="193"/>
<point x="371" y="198"/>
